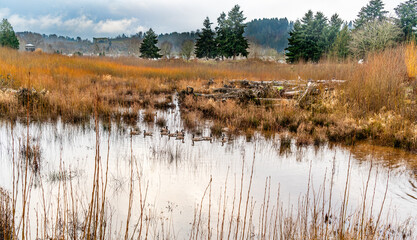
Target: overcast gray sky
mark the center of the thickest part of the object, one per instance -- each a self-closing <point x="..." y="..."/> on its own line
<point x="91" y="18"/>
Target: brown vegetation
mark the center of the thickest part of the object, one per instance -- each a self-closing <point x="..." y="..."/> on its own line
<point x="378" y="101"/>
<point x="89" y="217"/>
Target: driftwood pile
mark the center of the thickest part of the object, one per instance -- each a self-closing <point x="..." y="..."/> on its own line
<point x="273" y="92"/>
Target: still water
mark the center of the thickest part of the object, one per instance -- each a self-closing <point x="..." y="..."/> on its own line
<point x="176" y="173"/>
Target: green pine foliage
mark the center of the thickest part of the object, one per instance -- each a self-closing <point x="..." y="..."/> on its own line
<point x="334" y="28"/>
<point x="7" y="35"/>
<point x="230" y="41"/>
<point x="205" y="46"/>
<point x="237" y="44"/>
<point x="148" y="48"/>
<point x="407" y="14"/>
<point x="295" y="43"/>
<point x="312" y="37"/>
<point x="222" y="38"/>
<point x="374" y="10"/>
<point x="340" y="47"/>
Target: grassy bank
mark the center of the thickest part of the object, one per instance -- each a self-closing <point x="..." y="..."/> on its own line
<point x="377" y="103"/>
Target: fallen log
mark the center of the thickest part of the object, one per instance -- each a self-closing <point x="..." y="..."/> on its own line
<point x="292" y="93"/>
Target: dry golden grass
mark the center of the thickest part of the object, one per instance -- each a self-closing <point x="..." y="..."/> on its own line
<point x="380" y="87"/>
<point x="376" y="103"/>
<point x="411" y="60"/>
<point x="370" y="106"/>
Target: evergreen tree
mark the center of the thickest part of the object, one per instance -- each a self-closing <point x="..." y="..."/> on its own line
<point x="295" y="44"/>
<point x="148" y="48"/>
<point x="222" y="38"/>
<point x="206" y="44"/>
<point x="238" y="44"/>
<point x="312" y="37"/>
<point x="230" y="40"/>
<point x="334" y="28"/>
<point x="307" y="41"/>
<point x="318" y="38"/>
<point x="374" y="10"/>
<point x="7" y="35"/>
<point x="407" y="13"/>
<point x="340" y="47"/>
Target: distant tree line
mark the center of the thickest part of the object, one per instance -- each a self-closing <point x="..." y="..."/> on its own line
<point x="315" y="36"/>
<point x="269" y="32"/>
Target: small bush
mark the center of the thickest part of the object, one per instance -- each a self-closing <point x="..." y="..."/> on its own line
<point x="161" y="122"/>
<point x="216" y="129"/>
<point x="149" y="115"/>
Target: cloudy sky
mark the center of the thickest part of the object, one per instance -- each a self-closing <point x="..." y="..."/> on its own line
<point x="91" y="18"/>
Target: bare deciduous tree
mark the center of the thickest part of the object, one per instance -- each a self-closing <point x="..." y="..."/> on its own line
<point x="374" y="36"/>
<point x="187" y="49"/>
<point x="166" y="49"/>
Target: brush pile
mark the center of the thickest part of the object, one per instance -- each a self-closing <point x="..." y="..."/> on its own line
<point x="298" y="91"/>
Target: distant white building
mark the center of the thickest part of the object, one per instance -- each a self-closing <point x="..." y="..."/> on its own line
<point x="30" y="47"/>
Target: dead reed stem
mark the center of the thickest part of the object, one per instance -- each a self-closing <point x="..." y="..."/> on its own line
<point x="201" y="208"/>
<point x="249" y="189"/>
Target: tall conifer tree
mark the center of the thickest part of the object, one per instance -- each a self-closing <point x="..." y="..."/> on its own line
<point x="206" y="44"/>
<point x="223" y="35"/>
<point x="374" y="10"/>
<point x="237" y="44"/>
<point x="230" y="40"/>
<point x="407" y="13"/>
<point x="148" y="48"/>
<point x="7" y="35"/>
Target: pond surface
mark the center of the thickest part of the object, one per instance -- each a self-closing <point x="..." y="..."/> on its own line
<point x="177" y="173"/>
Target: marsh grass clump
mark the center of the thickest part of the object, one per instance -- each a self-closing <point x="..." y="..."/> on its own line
<point x="6" y="230"/>
<point x="285" y="142"/>
<point x="190" y="119"/>
<point x="27" y="96"/>
<point x="130" y="117"/>
<point x="303" y="139"/>
<point x="149" y="115"/>
<point x="216" y="129"/>
<point x="161" y="122"/>
<point x="76" y="118"/>
<point x="32" y="153"/>
<point x="319" y="137"/>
